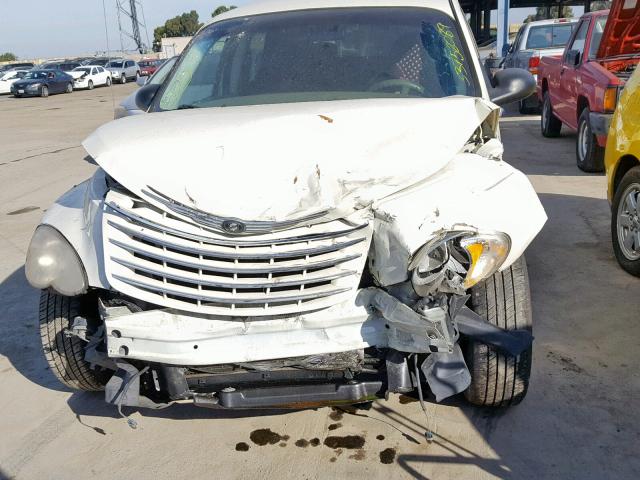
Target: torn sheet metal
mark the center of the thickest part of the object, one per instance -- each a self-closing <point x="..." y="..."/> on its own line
<point x="296" y="163"/>
<point x="471" y="193"/>
<point x="446" y="373"/>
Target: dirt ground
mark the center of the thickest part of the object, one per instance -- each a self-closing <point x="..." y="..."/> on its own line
<point x="580" y="420"/>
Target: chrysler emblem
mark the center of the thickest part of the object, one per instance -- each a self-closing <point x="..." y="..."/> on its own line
<point x="233" y="226"/>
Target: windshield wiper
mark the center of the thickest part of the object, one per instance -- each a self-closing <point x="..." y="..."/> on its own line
<point x="186" y="106"/>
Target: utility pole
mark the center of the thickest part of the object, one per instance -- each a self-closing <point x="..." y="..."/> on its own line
<point x="128" y="9"/>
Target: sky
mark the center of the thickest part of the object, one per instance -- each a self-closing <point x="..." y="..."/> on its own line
<point x="77" y="27"/>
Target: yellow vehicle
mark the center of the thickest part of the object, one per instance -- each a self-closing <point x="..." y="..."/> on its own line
<point x="622" y="164"/>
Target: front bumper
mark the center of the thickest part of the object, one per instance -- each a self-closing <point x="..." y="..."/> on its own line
<point x="600" y="123"/>
<point x="179" y="338"/>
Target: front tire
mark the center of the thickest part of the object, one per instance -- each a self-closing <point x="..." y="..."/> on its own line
<point x="625" y="222"/>
<point x="589" y="155"/>
<point x="504" y="300"/>
<point x="44" y="91"/>
<point x="69" y="88"/>
<point x="123" y="79"/>
<point x="65" y="354"/>
<point x="108" y="81"/>
<point x="90" y="85"/>
<point x="549" y="123"/>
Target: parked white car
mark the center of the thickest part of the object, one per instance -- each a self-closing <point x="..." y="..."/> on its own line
<point x="122" y="70"/>
<point x="9" y="78"/>
<point x="90" y="76"/>
<point x="321" y="214"/>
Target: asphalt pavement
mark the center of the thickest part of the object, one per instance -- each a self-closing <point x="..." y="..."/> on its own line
<point x="580" y="420"/>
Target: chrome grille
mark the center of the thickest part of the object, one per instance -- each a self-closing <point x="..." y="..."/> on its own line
<point x="154" y="255"/>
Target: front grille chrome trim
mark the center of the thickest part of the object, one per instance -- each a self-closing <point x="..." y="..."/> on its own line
<point x="239" y="241"/>
<point x="215" y="221"/>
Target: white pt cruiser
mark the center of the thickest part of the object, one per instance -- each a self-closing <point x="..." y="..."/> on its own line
<point x="315" y="211"/>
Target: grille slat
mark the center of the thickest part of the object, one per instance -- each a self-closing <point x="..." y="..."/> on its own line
<point x="223" y="282"/>
<point x="232" y="298"/>
<point x="157" y="257"/>
<point x="195" y="248"/>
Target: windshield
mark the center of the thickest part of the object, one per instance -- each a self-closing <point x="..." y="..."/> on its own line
<point x="316" y="55"/>
<point x="36" y="74"/>
<point x="115" y="64"/>
<point x="550" y="36"/>
<point x="82" y="69"/>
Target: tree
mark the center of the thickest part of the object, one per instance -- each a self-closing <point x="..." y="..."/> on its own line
<point x="541" y="14"/>
<point x="184" y="25"/>
<point x="7" y="57"/>
<point x="600" y="6"/>
<point x="222" y="9"/>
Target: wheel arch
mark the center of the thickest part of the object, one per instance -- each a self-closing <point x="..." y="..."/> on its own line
<point x="626" y="163"/>
<point x="545" y="86"/>
<point x="581" y="104"/>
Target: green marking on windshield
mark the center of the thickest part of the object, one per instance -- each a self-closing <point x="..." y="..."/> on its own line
<point x="454" y="53"/>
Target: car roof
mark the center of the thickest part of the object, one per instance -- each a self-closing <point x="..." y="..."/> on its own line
<point x="271" y="6"/>
<point x="551" y="21"/>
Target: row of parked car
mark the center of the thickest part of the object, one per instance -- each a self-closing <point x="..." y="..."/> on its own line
<point x="591" y="85"/>
<point x="27" y="79"/>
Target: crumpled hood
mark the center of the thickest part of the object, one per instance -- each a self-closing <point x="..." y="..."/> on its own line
<point x="277" y="162"/>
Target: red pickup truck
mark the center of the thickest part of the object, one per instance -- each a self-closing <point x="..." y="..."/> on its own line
<point x="580" y="88"/>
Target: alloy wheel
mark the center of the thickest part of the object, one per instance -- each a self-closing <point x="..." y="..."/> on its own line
<point x="628" y="222"/>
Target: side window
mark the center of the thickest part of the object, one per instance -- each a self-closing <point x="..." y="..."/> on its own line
<point x="580" y="38"/>
<point x="129" y="63"/>
<point x="516" y="42"/>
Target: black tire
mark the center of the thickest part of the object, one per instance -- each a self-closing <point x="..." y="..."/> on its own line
<point x="499" y="380"/>
<point x="589" y="155"/>
<point x="65" y="354"/>
<point x="108" y="81"/>
<point x="630" y="182"/>
<point x="549" y="123"/>
<point x="522" y="108"/>
<point x="123" y="79"/>
<point x="90" y="84"/>
<point x="69" y="88"/>
<point x="44" y="91"/>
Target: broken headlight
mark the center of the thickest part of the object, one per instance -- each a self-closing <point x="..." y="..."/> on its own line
<point x="455" y="261"/>
<point x="53" y="262"/>
<point x="486" y="252"/>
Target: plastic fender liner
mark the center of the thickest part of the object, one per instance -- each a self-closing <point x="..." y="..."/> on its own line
<point x="446" y="373"/>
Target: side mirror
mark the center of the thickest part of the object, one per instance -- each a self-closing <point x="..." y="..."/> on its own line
<point x="573" y="57"/>
<point x="145" y="95"/>
<point x="142" y="81"/>
<point x="510" y="85"/>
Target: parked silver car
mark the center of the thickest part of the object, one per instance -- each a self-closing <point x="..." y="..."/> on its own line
<point x="123" y="70"/>
<point x="536" y="40"/>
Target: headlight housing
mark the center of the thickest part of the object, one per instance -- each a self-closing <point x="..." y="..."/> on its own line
<point x="485" y="253"/>
<point x="34" y="86"/>
<point x="53" y="262"/>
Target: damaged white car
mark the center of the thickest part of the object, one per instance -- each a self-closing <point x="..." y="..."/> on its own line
<point x="315" y="211"/>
